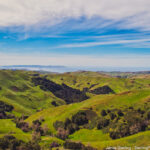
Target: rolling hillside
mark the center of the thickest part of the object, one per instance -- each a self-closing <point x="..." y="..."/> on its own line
<point x="87" y="108"/>
<point x="18" y="90"/>
<point x="96" y="137"/>
<point x="93" y="80"/>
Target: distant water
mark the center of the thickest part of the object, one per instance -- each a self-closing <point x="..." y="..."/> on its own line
<point x="62" y="69"/>
<point x="59" y="69"/>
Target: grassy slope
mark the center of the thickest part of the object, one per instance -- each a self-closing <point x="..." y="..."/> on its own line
<point x="29" y="98"/>
<point x="47" y="140"/>
<point x="133" y="98"/>
<point x="81" y="80"/>
<point x="97" y="103"/>
<point x="99" y="140"/>
<point x="9" y="127"/>
<point x="18" y="91"/>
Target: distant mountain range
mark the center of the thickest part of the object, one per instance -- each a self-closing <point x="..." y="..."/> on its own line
<point x="62" y="69"/>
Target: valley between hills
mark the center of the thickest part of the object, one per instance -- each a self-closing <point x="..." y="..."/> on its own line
<point x="74" y="110"/>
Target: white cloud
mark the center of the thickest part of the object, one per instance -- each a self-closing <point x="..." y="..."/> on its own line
<point x="76" y="60"/>
<point x="108" y="42"/>
<point x="50" y="12"/>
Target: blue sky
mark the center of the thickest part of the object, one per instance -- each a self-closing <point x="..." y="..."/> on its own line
<point x="98" y="33"/>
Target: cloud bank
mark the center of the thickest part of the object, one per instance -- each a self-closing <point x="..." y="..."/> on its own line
<point x="29" y="13"/>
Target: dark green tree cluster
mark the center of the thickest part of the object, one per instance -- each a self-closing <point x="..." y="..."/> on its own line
<point x="71" y="125"/>
<point x="124" y="122"/>
<point x="70" y="95"/>
<point x="77" y="146"/>
<point x="11" y="143"/>
<point x="4" y="109"/>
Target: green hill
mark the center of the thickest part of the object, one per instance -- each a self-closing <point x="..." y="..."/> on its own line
<point x="96" y="137"/>
<point x="97" y="103"/>
<point x="93" y="80"/>
<point x="88" y="107"/>
<point x="18" y="90"/>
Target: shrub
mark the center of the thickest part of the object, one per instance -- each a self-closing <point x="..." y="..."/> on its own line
<point x="32" y="146"/>
<point x="77" y="146"/>
<point x="62" y="133"/>
<point x="11" y="143"/>
<point x="3" y="115"/>
<point x="112" y="116"/>
<point x="134" y="122"/>
<point x="148" y="115"/>
<point x="131" y="107"/>
<point x="5" y="107"/>
<point x="108" y="111"/>
<point x="140" y="111"/>
<point x="89" y="148"/>
<point x="80" y="118"/>
<point x="120" y="113"/>
<point x="24" y="126"/>
<point x="36" y="137"/>
<point x="23" y="117"/>
<point x="38" y="129"/>
<point x="54" y="103"/>
<point x="36" y="122"/>
<point x="72" y="127"/>
<point x="135" y="128"/>
<point x="102" y="123"/>
<point x="103" y="112"/>
<point x="67" y="122"/>
<point x="54" y="144"/>
<point x="121" y="130"/>
<point x="73" y="145"/>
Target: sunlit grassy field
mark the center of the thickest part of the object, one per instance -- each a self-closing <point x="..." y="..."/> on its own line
<point x="28" y="99"/>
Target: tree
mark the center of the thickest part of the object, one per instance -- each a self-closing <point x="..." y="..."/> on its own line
<point x="36" y="137"/>
<point x="62" y="133"/>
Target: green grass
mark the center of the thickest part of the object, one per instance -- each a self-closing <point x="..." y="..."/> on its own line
<point x="85" y="135"/>
<point x="47" y="140"/>
<point x="19" y="91"/>
<point x="97" y="103"/>
<point x="99" y="140"/>
<point x="96" y="137"/>
<point x="140" y="139"/>
<point x="27" y="99"/>
<point x="9" y="127"/>
<point x="81" y="80"/>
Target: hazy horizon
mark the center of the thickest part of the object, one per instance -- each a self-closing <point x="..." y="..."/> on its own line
<point x="62" y="69"/>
